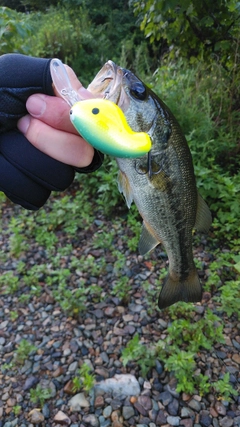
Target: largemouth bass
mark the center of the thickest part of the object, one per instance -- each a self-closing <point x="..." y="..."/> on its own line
<point x="161" y="183"/>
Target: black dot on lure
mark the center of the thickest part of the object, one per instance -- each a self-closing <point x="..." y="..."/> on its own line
<point x="95" y="110"/>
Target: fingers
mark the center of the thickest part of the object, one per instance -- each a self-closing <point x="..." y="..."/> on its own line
<point x="48" y="126"/>
<point x="66" y="147"/>
<point x="51" y="110"/>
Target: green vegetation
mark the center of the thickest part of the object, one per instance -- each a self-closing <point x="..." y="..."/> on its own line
<point x="39" y="394"/>
<point x="84" y="379"/>
<point x="179" y="350"/>
<point x="23" y="351"/>
<point x="190" y="58"/>
<point x="196" y="30"/>
<point x="17" y="409"/>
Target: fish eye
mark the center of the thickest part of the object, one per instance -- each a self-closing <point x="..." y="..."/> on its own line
<point x="95" y="110"/>
<point x="138" y="91"/>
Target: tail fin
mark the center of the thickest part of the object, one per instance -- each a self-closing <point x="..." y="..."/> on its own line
<point x="173" y="291"/>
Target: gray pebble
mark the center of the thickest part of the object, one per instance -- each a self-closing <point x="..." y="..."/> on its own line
<point x="45" y="411"/>
<point x="187" y="412"/>
<point x="205" y="419"/>
<point x="35" y="368"/>
<point x="174" y="421"/>
<point x="136" y="308"/>
<point x="128" y="412"/>
<point x="195" y="405"/>
<point x="59" y="403"/>
<point x="166" y="397"/>
<point x="104" y="357"/>
<point x="103" y="422"/>
<point x="236" y="344"/>
<point x="91" y="419"/>
<point x="107" y="411"/>
<point x="216" y="423"/>
<point x="159" y="367"/>
<point x="173" y="407"/>
<point x="73" y="367"/>
<point x="30" y="383"/>
<point x="236" y="421"/>
<point x="226" y="422"/>
<point x="161" y="418"/>
<point x="27" y="367"/>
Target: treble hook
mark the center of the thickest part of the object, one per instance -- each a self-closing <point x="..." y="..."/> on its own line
<point x="149" y="170"/>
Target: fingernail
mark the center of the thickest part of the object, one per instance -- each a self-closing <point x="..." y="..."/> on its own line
<point x="36" y="105"/>
<point x="23" y="124"/>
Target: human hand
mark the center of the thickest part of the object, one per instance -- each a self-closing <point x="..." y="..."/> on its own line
<point x="48" y="120"/>
<point x="28" y="175"/>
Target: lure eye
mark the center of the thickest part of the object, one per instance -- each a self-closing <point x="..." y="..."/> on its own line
<point x="95" y="110"/>
<point x="138" y="91"/>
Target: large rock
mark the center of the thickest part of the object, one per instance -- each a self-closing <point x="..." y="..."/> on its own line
<point x="119" y="385"/>
<point x="77" y="402"/>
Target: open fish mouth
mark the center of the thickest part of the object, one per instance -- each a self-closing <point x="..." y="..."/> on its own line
<point x="108" y="83"/>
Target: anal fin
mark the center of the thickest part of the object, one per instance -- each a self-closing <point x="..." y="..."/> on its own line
<point x="203" y="218"/>
<point x="147" y="241"/>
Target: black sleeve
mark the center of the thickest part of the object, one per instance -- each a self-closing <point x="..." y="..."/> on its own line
<point x="27" y="176"/>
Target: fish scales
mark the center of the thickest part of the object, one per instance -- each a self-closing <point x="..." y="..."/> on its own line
<point x="162" y="184"/>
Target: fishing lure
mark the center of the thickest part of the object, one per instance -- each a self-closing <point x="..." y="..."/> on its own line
<point x="99" y="121"/>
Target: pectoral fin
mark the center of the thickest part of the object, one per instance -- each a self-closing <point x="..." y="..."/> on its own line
<point x="147" y="241"/>
<point x="203" y="217"/>
<point x="124" y="187"/>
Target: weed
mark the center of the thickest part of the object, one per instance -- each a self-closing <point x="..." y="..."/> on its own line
<point x="89" y="265"/>
<point x="181" y="309"/>
<point x="229" y="298"/>
<point x="144" y="356"/>
<point x="9" y="282"/>
<point x="122" y="288"/>
<point x="40" y="394"/>
<point x="223" y="388"/>
<point x="179" y="350"/>
<point x="72" y="301"/>
<point x="150" y="291"/>
<point x="17" y="241"/>
<point x="103" y="239"/>
<point x="24" y="298"/>
<point x="85" y="380"/>
<point x="134" y="224"/>
<point x="182" y="363"/>
<point x="23" y="351"/>
<point x="13" y="315"/>
<point x="203" y="384"/>
<point x="17" y="410"/>
<point x="7" y="366"/>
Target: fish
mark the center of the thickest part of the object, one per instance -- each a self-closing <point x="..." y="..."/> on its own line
<point x="103" y="125"/>
<point x="162" y="183"/>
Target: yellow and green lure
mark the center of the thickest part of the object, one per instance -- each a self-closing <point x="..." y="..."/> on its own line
<point x="99" y="121"/>
<point x="103" y="124"/>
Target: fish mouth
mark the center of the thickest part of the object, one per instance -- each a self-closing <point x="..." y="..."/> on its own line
<point x="108" y="84"/>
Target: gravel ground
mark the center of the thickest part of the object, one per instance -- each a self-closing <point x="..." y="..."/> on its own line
<point x="97" y="336"/>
